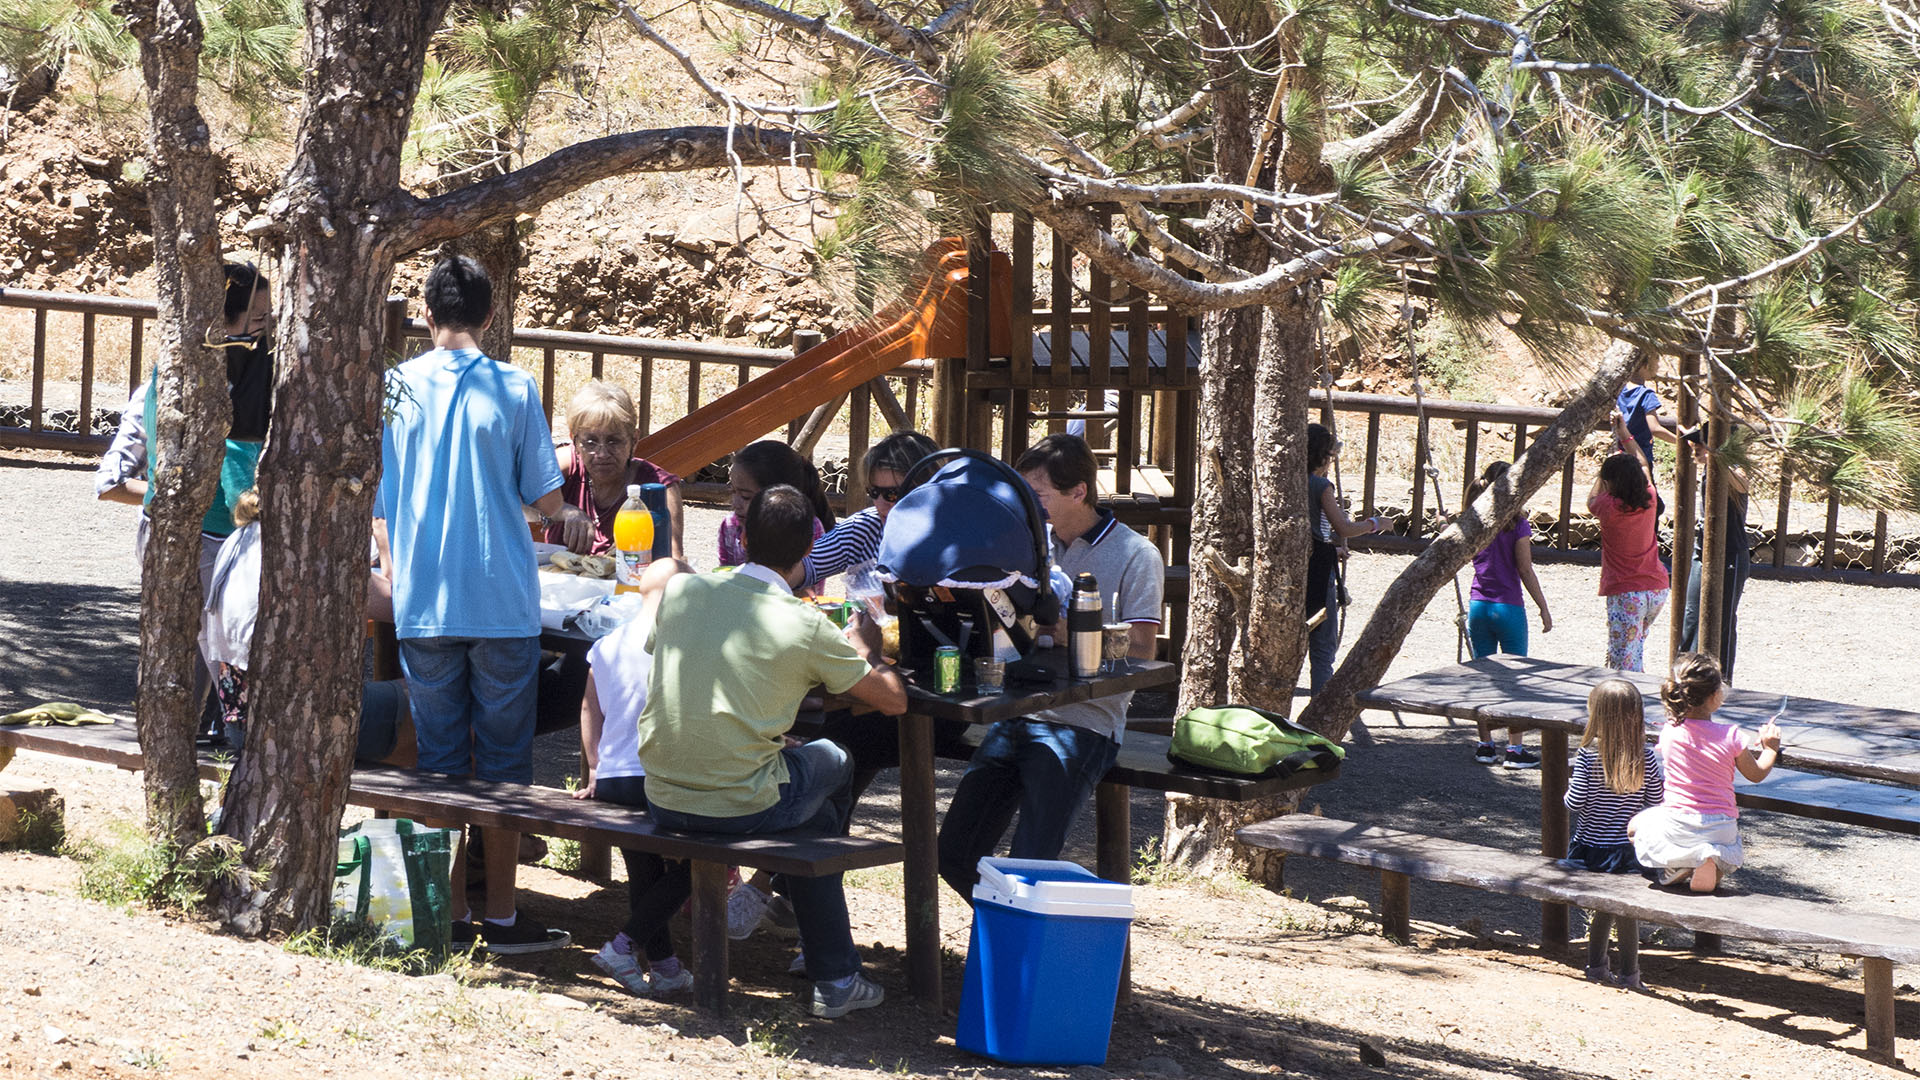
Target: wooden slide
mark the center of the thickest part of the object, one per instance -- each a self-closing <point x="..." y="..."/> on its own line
<point x="932" y="325"/>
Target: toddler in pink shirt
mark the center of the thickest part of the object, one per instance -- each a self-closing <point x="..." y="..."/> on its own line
<point x="1694" y="833"/>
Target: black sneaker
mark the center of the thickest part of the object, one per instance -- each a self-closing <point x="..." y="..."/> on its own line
<point x="1519" y="757"/>
<point x="524" y="936"/>
<point x="1486" y="754"/>
<point x="462" y="935"/>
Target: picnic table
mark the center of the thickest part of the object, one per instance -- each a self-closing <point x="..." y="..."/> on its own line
<point x="1526" y="692"/>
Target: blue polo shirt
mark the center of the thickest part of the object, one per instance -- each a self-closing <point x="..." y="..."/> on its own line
<point x="465" y="447"/>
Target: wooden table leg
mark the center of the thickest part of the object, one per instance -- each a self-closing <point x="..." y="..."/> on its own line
<point x="922" y="839"/>
<point x="1706" y="944"/>
<point x="1113" y="830"/>
<point x="596" y="856"/>
<point x="1396" y="906"/>
<point x="709" y="936"/>
<point x="1553" y="826"/>
<point x="1878" y="974"/>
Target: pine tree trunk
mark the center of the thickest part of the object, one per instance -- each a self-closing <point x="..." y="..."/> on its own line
<point x="1334" y="711"/>
<point x="1223" y="510"/>
<point x="192" y="410"/>
<point x="320" y="473"/>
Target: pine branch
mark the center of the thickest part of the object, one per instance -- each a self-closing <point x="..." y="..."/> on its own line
<point x="821" y="28"/>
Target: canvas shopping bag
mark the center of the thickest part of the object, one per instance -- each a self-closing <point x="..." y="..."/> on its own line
<point x="395" y="875"/>
<point x="1252" y="742"/>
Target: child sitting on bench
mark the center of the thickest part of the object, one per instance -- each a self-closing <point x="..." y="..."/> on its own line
<point x="1612" y="781"/>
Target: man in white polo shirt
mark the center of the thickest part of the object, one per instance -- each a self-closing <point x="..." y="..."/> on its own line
<point x="1045" y="765"/>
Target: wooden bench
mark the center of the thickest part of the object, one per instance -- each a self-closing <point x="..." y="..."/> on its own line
<point x="1878" y="940"/>
<point x="547" y="812"/>
<point x="1833" y="798"/>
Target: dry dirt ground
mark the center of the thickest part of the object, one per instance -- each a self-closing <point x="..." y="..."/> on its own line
<point x="1231" y="981"/>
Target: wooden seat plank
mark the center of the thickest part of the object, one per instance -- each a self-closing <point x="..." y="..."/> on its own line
<point x="1833" y="798"/>
<point x="1777" y="919"/>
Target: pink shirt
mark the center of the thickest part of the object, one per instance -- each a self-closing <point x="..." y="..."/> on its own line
<point x="1629" y="546"/>
<point x="1700" y="765"/>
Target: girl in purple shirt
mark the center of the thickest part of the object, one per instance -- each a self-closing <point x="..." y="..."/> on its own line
<point x="1497" y="619"/>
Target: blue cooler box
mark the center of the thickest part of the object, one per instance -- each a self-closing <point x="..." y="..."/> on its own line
<point x="1043" y="964"/>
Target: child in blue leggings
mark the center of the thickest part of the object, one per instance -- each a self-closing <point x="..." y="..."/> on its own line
<point x="1497" y="618"/>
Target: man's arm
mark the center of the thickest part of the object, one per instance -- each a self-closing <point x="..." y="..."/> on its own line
<point x="881" y="687"/>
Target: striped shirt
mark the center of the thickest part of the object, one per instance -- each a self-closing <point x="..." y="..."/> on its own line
<point x="1604" y="813"/>
<point x="855" y="540"/>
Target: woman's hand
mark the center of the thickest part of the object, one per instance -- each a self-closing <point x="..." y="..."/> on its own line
<point x="576" y="529"/>
<point x="585" y="791"/>
<point x="1546" y="621"/>
<point x="1770" y="737"/>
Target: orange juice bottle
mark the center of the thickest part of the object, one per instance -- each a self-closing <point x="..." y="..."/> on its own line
<point x="632" y="541"/>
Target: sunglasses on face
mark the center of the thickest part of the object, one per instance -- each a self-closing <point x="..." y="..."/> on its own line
<point x="891" y="494"/>
<point x="591" y="444"/>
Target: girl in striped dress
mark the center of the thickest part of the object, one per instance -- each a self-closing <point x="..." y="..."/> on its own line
<point x="1615" y="776"/>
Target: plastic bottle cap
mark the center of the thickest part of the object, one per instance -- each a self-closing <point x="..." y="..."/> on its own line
<point x="633" y="491"/>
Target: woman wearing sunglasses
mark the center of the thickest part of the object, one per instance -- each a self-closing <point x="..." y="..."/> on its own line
<point x="857" y="538"/>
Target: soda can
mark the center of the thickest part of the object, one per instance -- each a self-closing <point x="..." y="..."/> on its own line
<point x="946" y="669"/>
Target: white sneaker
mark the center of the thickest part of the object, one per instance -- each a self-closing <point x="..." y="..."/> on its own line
<point x="660" y="985"/>
<point x="831" y="1002"/>
<point x="1675" y="875"/>
<point x="624" y="967"/>
<point x="799" y="965"/>
<point x="746" y="910"/>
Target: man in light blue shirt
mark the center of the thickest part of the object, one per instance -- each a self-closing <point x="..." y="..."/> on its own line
<point x="466" y="446"/>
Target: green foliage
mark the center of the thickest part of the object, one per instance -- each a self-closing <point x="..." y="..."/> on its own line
<point x="52" y="32"/>
<point x="360" y="943"/>
<point x="454" y="116"/>
<point x="252" y="44"/>
<point x="129" y="867"/>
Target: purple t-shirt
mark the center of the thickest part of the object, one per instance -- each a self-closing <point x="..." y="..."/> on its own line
<point x="1496" y="579"/>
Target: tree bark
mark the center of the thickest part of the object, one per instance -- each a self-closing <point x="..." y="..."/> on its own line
<point x="1334" y="711"/>
<point x="192" y="410"/>
<point x="1223" y="509"/>
<point x="320" y="473"/>
<point x="496" y="248"/>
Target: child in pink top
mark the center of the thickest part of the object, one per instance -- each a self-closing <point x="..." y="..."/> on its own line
<point x="1632" y="577"/>
<point x="1694" y="832"/>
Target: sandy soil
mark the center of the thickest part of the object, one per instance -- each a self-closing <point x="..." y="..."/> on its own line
<point x="1232" y="981"/>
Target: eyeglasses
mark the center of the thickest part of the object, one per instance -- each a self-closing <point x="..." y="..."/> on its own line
<point x="591" y="444"/>
<point x="891" y="494"/>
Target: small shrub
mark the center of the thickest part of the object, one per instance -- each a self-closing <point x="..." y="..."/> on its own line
<point x="132" y="868"/>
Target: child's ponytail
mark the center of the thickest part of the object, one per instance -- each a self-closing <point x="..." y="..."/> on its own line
<point x="1694" y="680"/>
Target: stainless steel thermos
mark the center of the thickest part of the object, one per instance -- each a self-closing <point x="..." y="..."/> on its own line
<point x="1084" y="621"/>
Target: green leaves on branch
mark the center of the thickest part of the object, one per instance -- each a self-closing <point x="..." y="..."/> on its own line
<point x="1855" y="439"/>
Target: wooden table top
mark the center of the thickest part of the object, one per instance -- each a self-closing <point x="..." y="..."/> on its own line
<point x="1020" y="699"/>
<point x="1856" y="740"/>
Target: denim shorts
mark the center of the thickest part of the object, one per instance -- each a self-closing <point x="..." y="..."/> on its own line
<point x="473" y="704"/>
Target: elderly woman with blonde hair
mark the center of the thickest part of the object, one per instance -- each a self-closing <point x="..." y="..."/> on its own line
<point x="597" y="464"/>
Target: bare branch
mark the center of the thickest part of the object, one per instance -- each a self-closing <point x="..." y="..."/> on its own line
<point x="944" y="21"/>
<point x="821" y="28"/>
<point x="419" y="223"/>
<point x="725" y="97"/>
<point x="1396" y="136"/>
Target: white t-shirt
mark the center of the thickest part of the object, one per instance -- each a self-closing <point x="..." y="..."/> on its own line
<point x="621" y="665"/>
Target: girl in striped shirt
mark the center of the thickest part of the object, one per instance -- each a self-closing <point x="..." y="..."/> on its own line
<point x="1615" y="776"/>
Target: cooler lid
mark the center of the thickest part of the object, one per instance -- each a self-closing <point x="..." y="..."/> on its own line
<point x="1052" y="887"/>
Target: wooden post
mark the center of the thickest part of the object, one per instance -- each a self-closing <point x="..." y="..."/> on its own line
<point x="1113" y="829"/>
<point x="1553" y="827"/>
<point x="1396" y="906"/>
<point x="1877" y="973"/>
<point x="1472" y="461"/>
<point x="1685" y="500"/>
<point x="596" y="860"/>
<point x="710" y="936"/>
<point x="1713" y="515"/>
<point x="922" y="869"/>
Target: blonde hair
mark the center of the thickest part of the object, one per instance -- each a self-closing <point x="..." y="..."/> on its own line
<point x="1616" y="720"/>
<point x="601" y="405"/>
<point x="246" y="508"/>
<point x="1692" y="682"/>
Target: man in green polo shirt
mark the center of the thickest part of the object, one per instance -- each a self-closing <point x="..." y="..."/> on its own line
<point x="733" y="655"/>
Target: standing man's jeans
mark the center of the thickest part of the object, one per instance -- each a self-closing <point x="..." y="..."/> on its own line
<point x="1043" y="770"/>
<point x="1323" y="641"/>
<point x="814" y="801"/>
<point x="473" y="704"/>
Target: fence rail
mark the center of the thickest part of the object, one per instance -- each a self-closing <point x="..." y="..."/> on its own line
<point x="1145" y="435"/>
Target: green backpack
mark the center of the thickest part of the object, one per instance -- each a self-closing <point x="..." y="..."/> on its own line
<point x="1249" y="741"/>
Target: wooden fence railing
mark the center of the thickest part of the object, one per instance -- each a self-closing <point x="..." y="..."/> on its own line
<point x="108" y="337"/>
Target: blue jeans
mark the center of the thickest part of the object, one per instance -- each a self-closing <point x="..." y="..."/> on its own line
<point x="1323" y="641"/>
<point x="1493" y="628"/>
<point x="655" y="887"/>
<point x="814" y="801"/>
<point x="1043" y="770"/>
<point x="473" y="704"/>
